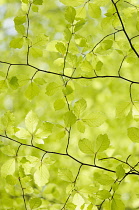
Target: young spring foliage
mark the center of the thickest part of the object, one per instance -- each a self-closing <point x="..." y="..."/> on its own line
<point x="69" y="120"/>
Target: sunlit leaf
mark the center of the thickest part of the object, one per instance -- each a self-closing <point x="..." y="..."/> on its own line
<point x="70" y="14"/>
<point x="35" y="203"/>
<point x="103" y="194"/>
<point x="66" y="175"/>
<point x="69" y="118"/>
<point x="86" y="146"/>
<point x="16" y="43"/>
<point x="95" y="119"/>
<point x="41" y="175"/>
<point x="31" y="121"/>
<point x="117" y="204"/>
<point x="133" y="134"/>
<point x="8" y="168"/>
<point x="120" y="172"/>
<point x="79" y="107"/>
<point x="94" y="10"/>
<point x="20" y="20"/>
<point x="102" y="143"/>
<point x="73" y="3"/>
<point x="31" y="91"/>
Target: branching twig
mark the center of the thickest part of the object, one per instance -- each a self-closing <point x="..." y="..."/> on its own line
<point x="124" y="30"/>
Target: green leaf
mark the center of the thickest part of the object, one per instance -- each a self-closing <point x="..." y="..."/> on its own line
<point x="32" y="91"/>
<point x="115" y="186"/>
<point x="34" y="8"/>
<point x="7" y="121"/>
<point x="20" y="29"/>
<point x="25" y="1"/>
<point x="69" y="118"/>
<point x="13" y="82"/>
<point x="120" y="172"/>
<point x="90" y="207"/>
<point x="86" y="66"/>
<point x="20" y="20"/>
<point x="133" y="134"/>
<point x="35" y="203"/>
<point x="102" y="143"/>
<point x="8" y="168"/>
<point x="94" y="10"/>
<point x="66" y="175"/>
<point x="103" y="179"/>
<point x="80" y="40"/>
<point x="70" y="206"/>
<point x="59" y="104"/>
<point x="8" y="150"/>
<point x="99" y="65"/>
<point x="67" y="90"/>
<point x="40" y="40"/>
<point x="81" y="12"/>
<point x="36" y="52"/>
<point x="70" y="14"/>
<point x="41" y="176"/>
<point x="80" y="126"/>
<point x="60" y="47"/>
<point x="103" y="194"/>
<point x="22" y="134"/>
<point x="123" y="109"/>
<point x="31" y="121"/>
<point x="72" y="59"/>
<point x="17" y="43"/>
<point x="79" y="25"/>
<point x="107" y="44"/>
<point x="95" y="119"/>
<point x="78" y="199"/>
<point x="51" y="88"/>
<point x="38" y="2"/>
<point x="67" y="34"/>
<point x="117" y="204"/>
<point x="86" y="146"/>
<point x="39" y="81"/>
<point x="79" y="107"/>
<point x="3" y="86"/>
<point x="73" y="3"/>
<point x="11" y="180"/>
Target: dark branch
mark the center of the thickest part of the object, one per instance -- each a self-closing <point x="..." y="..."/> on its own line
<point x="124" y="30"/>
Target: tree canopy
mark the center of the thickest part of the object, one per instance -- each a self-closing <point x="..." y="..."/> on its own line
<point x="69" y="111"/>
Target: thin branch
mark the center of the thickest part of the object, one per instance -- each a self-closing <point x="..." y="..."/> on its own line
<point x="134" y="37"/>
<point x="67" y="200"/>
<point x="73" y="78"/>
<point x="18" y="149"/>
<point x="95" y="158"/>
<point x="121" y="66"/>
<point x="67" y="51"/>
<point x="27" y="32"/>
<point x="77" y="174"/>
<point x="69" y="132"/>
<point x="73" y="188"/>
<point x="104" y="38"/>
<point x="131" y="4"/>
<point x="23" y="195"/>
<point x="130" y="91"/>
<point x="34" y="75"/>
<point x="8" y="71"/>
<point x="67" y="102"/>
<point x="58" y="153"/>
<point x="117" y="160"/>
<point x="43" y="156"/>
<point x="124" y="30"/>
